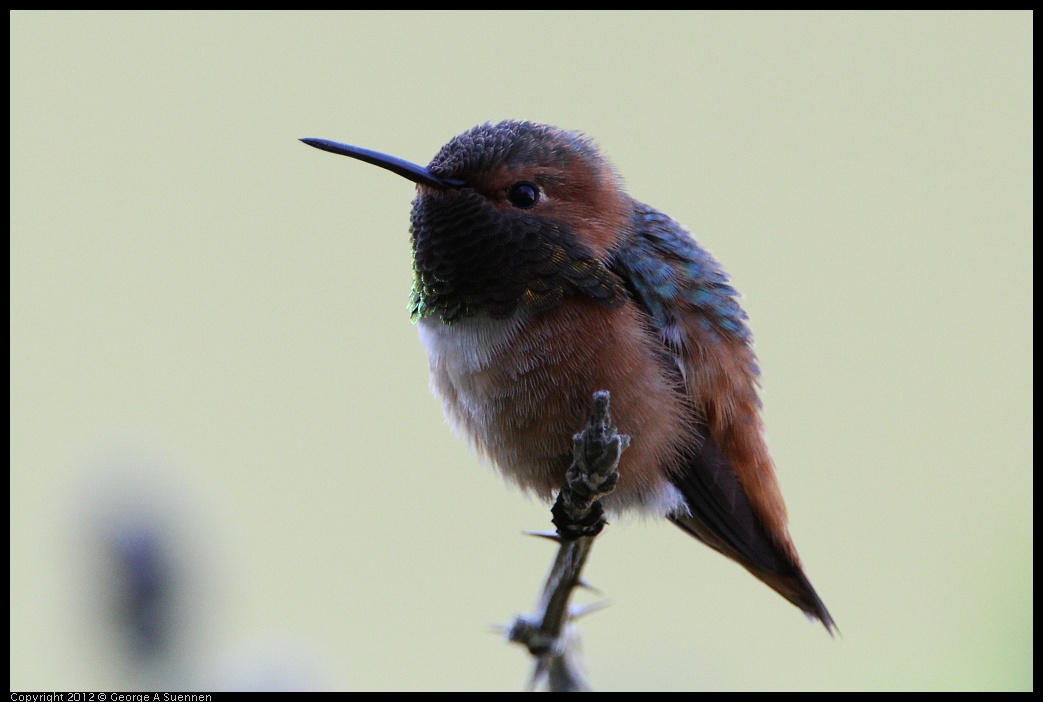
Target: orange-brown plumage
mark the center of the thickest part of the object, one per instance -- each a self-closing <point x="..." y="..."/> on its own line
<point x="521" y="404"/>
<point x="721" y="377"/>
<point x="539" y="281"/>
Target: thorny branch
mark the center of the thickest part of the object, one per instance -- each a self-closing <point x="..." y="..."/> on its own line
<point x="579" y="518"/>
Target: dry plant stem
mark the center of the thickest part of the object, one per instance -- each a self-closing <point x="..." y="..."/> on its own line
<point x="562" y="579"/>
<point x="579" y="518"/>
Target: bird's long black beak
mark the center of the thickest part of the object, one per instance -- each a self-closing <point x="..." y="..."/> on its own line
<point x="415" y="173"/>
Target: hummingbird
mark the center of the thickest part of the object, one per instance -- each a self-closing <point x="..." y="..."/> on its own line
<point x="537" y="281"/>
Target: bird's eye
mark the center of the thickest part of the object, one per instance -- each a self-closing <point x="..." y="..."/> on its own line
<point x="524" y="194"/>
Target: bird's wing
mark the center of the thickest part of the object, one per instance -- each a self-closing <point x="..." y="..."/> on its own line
<point x="727" y="477"/>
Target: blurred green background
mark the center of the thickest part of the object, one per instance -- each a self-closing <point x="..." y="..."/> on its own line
<point x="219" y="312"/>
